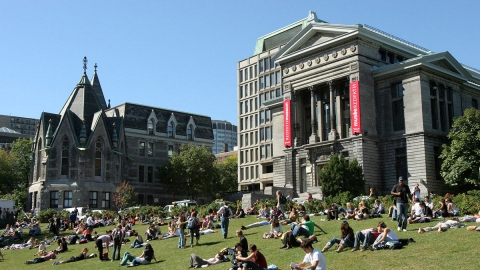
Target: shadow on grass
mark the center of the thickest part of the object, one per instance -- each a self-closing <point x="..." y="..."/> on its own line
<point x="209" y="243"/>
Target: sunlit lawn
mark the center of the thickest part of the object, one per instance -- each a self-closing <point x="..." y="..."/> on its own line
<point x="454" y="249"/>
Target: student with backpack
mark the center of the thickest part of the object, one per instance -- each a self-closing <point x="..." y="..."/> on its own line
<point x="117" y="235"/>
<point x="224" y="213"/>
<point x="281" y="201"/>
<point x="192" y="225"/>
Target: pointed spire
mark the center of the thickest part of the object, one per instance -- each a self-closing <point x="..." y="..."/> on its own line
<point x="84" y="80"/>
<point x="108" y="106"/>
<point x="49" y="136"/>
<point x="83" y="134"/>
<point x="98" y="88"/>
<point x="114" y="136"/>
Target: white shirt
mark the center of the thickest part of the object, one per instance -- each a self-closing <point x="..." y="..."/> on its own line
<point x="418" y="210"/>
<point x="90" y="221"/>
<point x="316" y="255"/>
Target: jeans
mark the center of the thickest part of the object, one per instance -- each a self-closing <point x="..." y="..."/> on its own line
<point x="224" y="223"/>
<point x="126" y="258"/>
<point x="367" y="239"/>
<point x="298" y="230"/>
<point x="136" y="244"/>
<point x="194" y="233"/>
<point x="387" y="239"/>
<point x="138" y="261"/>
<point x="402" y="211"/>
<point x="181" y="240"/>
<point x="117" y="245"/>
<point x="346" y="242"/>
<point x="252" y="265"/>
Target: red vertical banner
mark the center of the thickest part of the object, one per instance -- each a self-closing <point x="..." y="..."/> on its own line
<point x="355" y="116"/>
<point x="287" y="124"/>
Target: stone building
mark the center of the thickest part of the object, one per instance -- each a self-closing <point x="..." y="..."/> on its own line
<point x="357" y="91"/>
<point x="84" y="152"/>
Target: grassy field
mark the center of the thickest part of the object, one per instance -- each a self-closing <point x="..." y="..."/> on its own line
<point x="454" y="249"/>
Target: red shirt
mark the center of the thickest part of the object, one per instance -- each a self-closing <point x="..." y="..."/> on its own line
<point x="260" y="259"/>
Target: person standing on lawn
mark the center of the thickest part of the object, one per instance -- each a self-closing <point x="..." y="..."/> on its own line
<point x="402" y="193"/>
<point x="224" y="213"/>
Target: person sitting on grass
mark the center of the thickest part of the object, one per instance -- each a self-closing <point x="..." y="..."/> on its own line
<point x="305" y="229"/>
<point x="255" y="261"/>
<point x="237" y="251"/>
<point x="251" y="210"/>
<point x="346" y="239"/>
<point x="275" y="229"/>
<point x="386" y="235"/>
<point x="292" y="217"/>
<point x="263" y="212"/>
<point x="378" y="208"/>
<point x="313" y="259"/>
<point x="419" y="216"/>
<point x="82" y="256"/>
<point x="146" y="257"/>
<point x="366" y="238"/>
<point x="138" y="242"/>
<point x="349" y="211"/>
<point x="363" y="211"/>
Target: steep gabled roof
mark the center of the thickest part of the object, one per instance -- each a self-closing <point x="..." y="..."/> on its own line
<point x="98" y="89"/>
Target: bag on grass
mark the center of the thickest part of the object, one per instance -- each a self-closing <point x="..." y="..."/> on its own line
<point x="394" y="245"/>
<point x="105" y="256"/>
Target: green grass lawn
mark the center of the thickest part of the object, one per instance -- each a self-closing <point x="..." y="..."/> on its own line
<point x="454" y="249"/>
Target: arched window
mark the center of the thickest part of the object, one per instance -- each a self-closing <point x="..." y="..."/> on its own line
<point x="151" y="126"/>
<point x="190" y="132"/>
<point x="65" y="154"/>
<point x="170" y="129"/>
<point x="39" y="158"/>
<point x="98" y="157"/>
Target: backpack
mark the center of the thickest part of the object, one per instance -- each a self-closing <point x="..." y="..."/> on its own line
<point x="117" y="236"/>
<point x="283" y="200"/>
<point x="192" y="223"/>
<point x="226" y="212"/>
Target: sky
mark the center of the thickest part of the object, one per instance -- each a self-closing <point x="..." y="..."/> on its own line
<point x="183" y="55"/>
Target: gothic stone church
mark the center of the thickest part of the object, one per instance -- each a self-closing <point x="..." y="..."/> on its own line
<point x="84" y="152"/>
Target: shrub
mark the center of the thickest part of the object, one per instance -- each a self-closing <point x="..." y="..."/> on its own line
<point x="44" y="215"/>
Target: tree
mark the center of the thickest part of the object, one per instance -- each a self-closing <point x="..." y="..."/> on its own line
<point x="124" y="195"/>
<point x="21" y="153"/>
<point x="190" y="172"/>
<point x="338" y="175"/>
<point x="7" y="173"/>
<point x="461" y="158"/>
<point x="228" y="174"/>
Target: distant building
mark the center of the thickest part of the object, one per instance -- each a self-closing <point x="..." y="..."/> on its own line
<point x="83" y="153"/>
<point x="21" y="125"/>
<point x="222" y="156"/>
<point x="225" y="136"/>
<point x="314" y="89"/>
<point x="8" y="136"/>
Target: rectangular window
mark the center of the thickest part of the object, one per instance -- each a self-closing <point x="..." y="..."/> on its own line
<point x="240" y="75"/>
<point x="267" y="116"/>
<point x="251" y="104"/>
<point x="246" y="74"/>
<point x="246" y="90"/>
<point x="93" y="199"/>
<point x="262" y="99"/>
<point x="398" y="113"/>
<point x="240" y="91"/>
<point x="241" y="140"/>
<point x="382" y="55"/>
<point x="268" y="134"/>
<point x="246" y="173"/>
<point x="150" y="174"/>
<point x="262" y="82"/>
<point x="106" y="200"/>
<point x="475" y="103"/>
<point x="277" y="77"/>
<point x="241" y="107"/>
<point x="401" y="163"/>
<point x="272" y="79"/>
<point x="251" y="72"/>
<point x="241" y="174"/>
<point x="241" y="157"/>
<point x="150" y="149"/>
<point x="256" y="137"/>
<point x="141" y="173"/>
<point x="246" y="106"/>
<point x="262" y="152"/>
<point x="278" y="93"/>
<point x="170" y="150"/>
<point x="260" y="66"/>
<point x="141" y="149"/>
<point x="267" y="81"/>
<point x="251" y="88"/>
<point x="433" y="104"/>
<point x="443" y="113"/>
<point x="262" y="134"/>
<point x="255" y="70"/>
<point x="267" y="150"/>
<point x="53" y="199"/>
<point x="262" y="117"/>
<point x="267" y="63"/>
<point x="246" y="139"/>
<point x="67" y="199"/>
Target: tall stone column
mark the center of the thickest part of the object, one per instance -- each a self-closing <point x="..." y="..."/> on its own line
<point x="333" y="132"/>
<point x="313" y="136"/>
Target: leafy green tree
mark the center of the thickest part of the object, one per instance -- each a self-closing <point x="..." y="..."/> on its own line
<point x="228" y="174"/>
<point x="461" y="158"/>
<point x="124" y="195"/>
<point x="338" y="175"/>
<point x="21" y="153"/>
<point x="190" y="172"/>
<point x="7" y="173"/>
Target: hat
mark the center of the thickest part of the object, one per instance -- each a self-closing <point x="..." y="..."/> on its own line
<point x="400" y="178"/>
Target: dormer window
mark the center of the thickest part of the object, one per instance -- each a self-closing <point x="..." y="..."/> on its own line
<point x="190" y="132"/>
<point x="151" y="126"/>
<point x="170" y="129"/>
